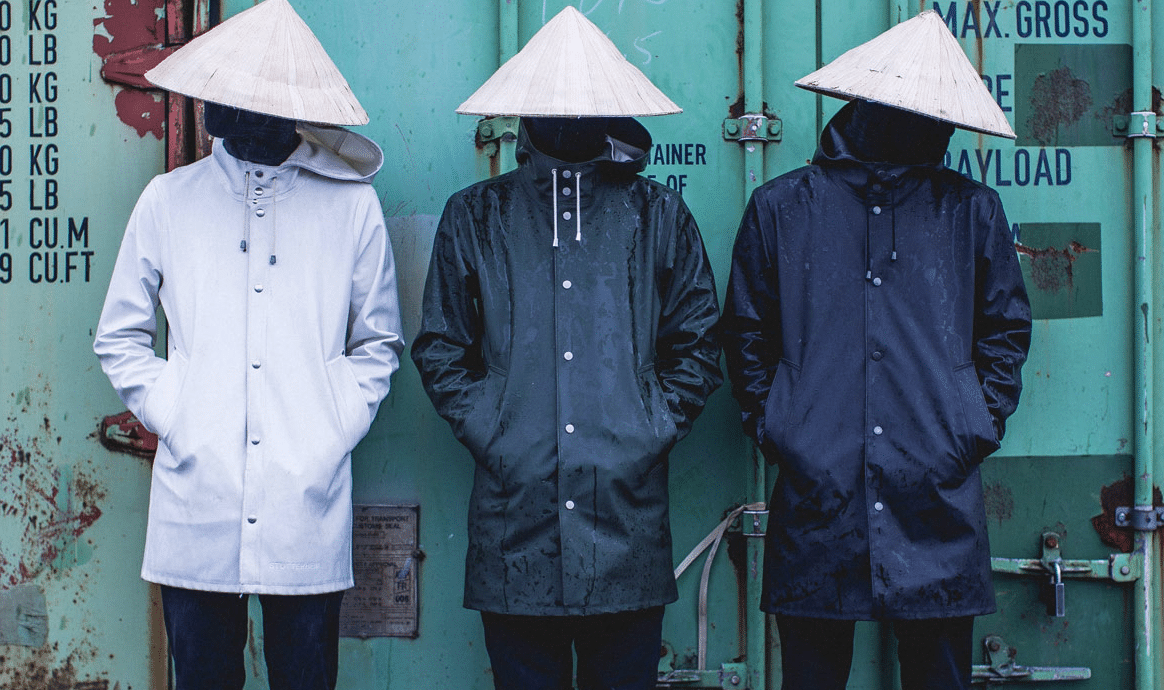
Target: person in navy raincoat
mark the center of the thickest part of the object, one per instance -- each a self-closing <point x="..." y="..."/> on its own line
<point x="567" y="337"/>
<point x="875" y="325"/>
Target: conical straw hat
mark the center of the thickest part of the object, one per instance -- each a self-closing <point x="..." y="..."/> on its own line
<point x="569" y="69"/>
<point x="916" y="66"/>
<point x="265" y="60"/>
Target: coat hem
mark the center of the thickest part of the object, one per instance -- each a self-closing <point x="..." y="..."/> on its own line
<point x="568" y="611"/>
<point x="889" y="616"/>
<point x="238" y="588"/>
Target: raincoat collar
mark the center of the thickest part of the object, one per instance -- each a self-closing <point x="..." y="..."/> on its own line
<point x="625" y="156"/>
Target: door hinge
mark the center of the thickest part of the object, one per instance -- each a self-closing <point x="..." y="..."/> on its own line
<point x="1137" y="125"/>
<point x="728" y="677"/>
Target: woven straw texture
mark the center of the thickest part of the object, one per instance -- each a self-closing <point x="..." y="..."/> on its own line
<point x="918" y="66"/>
<point x="266" y="60"/>
<point x="569" y="69"/>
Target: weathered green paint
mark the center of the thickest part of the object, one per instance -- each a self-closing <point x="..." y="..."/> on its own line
<point x="1086" y="420"/>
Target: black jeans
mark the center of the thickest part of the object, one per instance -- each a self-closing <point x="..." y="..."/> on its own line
<point x="935" y="654"/>
<point x="616" y="651"/>
<point x="208" y="634"/>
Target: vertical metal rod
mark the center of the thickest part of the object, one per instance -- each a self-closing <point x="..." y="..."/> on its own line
<point x="1144" y="316"/>
<point x="507" y="45"/>
<point x="753" y="83"/>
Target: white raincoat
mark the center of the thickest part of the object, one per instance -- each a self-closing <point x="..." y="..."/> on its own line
<point x="278" y="358"/>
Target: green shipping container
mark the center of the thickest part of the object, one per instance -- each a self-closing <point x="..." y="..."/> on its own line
<point x="81" y="134"/>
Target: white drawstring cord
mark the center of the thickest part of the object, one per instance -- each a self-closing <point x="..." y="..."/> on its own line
<point x="578" y="205"/>
<point x="246" y="214"/>
<point x="554" y="174"/>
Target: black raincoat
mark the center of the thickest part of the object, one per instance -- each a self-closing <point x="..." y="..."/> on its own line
<point x="569" y="372"/>
<point x="875" y="325"/>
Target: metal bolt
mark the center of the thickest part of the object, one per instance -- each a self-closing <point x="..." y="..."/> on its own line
<point x="735" y="679"/>
<point x="1125" y="570"/>
<point x="662" y="652"/>
<point x="1051" y="542"/>
<point x="733" y="128"/>
<point x="994" y="646"/>
<point x="486" y="130"/>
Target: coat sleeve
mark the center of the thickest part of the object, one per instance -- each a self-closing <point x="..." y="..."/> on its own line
<point x="447" y="351"/>
<point x="1002" y="317"/>
<point x="128" y="327"/>
<point x="687" y="346"/>
<point x="751" y="322"/>
<point x="374" y="341"/>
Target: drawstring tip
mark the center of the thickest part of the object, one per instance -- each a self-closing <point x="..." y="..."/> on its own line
<point x="243" y="246"/>
<point x="868" y="275"/>
<point x="893" y="257"/>
<point x="271" y="260"/>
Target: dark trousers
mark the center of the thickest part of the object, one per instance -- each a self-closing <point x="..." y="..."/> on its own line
<point x="616" y="651"/>
<point x="208" y="635"/>
<point x="934" y="654"/>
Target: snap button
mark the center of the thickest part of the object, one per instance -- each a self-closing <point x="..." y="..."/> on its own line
<point x="258" y="173"/>
<point x="567" y="215"/>
<point x="877" y="282"/>
<point x="568" y="356"/>
<point x="258" y="191"/>
<point x="254" y="440"/>
<point x="259" y="287"/>
<point x="877" y="431"/>
<point x="256" y="364"/>
<point x="877" y="187"/>
<point x="877" y="355"/>
<point x="252" y="519"/>
<point x="876" y="210"/>
<point x="569" y="505"/>
<point x="566" y="191"/>
<point x="569" y="428"/>
<point x="567" y="284"/>
<point x="878" y="506"/>
<point x="566" y="174"/>
<point x="260" y="212"/>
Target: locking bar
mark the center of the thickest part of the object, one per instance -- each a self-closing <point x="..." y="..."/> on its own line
<point x="1118" y="567"/>
<point x="728" y="677"/>
<point x="1002" y="667"/>
<point x="753" y="127"/>
<point x="1140" y="518"/>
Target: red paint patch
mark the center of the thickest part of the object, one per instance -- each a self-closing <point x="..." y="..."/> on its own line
<point x="132" y="25"/>
<point x="1113" y="496"/>
<point x="1052" y="269"/>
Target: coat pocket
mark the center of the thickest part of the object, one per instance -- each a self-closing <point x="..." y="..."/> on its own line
<point x="657" y="409"/>
<point x="160" y="403"/>
<point x="479" y="426"/>
<point x="350" y="407"/>
<point x="978" y="424"/>
<point x="777" y="408"/>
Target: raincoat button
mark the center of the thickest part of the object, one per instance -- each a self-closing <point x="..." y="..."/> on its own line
<point x="258" y="173"/>
<point x="569" y="428"/>
<point x="877" y="187"/>
<point x="567" y="215"/>
<point x="877" y="282"/>
<point x="252" y="519"/>
<point x="878" y="506"/>
<point x="260" y="212"/>
<point x="569" y="505"/>
<point x="254" y="440"/>
<point x="259" y="287"/>
<point x="877" y="431"/>
<point x="877" y="355"/>
<point x="256" y="364"/>
<point x="876" y="210"/>
<point x="567" y="284"/>
<point x="566" y="174"/>
<point x="568" y="356"/>
<point x="258" y="191"/>
<point x="566" y="191"/>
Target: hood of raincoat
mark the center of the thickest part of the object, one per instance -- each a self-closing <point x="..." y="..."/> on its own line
<point x="337" y="153"/>
<point x="875" y="326"/>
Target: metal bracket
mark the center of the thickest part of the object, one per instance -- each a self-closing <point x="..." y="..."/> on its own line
<point x="1137" y="125"/>
<point x="728" y="677"/>
<point x="1140" y="518"/>
<point x="493" y="130"/>
<point x="758" y="528"/>
<point x="753" y="128"/>
<point x="1002" y="667"/>
<point x="1119" y="567"/>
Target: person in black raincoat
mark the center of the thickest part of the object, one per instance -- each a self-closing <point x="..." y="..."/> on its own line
<point x="875" y="326"/>
<point x="567" y="337"/>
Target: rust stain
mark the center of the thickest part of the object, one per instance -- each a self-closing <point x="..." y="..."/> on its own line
<point x="42" y="669"/>
<point x="1052" y="269"/>
<point x="999" y="500"/>
<point x="1057" y="98"/>
<point x="50" y="506"/>
<point x="130" y="25"/>
<point x="1112" y="496"/>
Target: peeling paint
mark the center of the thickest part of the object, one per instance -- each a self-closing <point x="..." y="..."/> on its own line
<point x="1057" y="98"/>
<point x="999" y="501"/>
<point x="129" y="25"/>
<point x="1052" y="268"/>
<point x="42" y="669"/>
<point x="1112" y="496"/>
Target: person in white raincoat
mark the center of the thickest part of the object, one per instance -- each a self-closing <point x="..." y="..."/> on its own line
<point x="271" y="261"/>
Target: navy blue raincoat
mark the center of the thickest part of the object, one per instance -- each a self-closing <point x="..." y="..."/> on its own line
<point x="567" y="337"/>
<point x="875" y="325"/>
